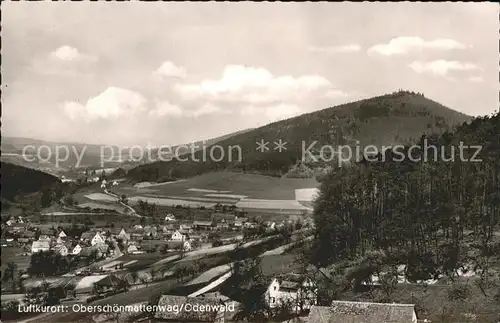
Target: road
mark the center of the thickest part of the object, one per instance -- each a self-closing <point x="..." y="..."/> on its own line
<point x="123" y="204"/>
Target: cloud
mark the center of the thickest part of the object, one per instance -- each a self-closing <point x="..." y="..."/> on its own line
<point x="252" y="84"/>
<point x="66" y="53"/>
<point x="165" y="108"/>
<point x="207" y="109"/>
<point x="404" y="45"/>
<point x="65" y="60"/>
<point x="441" y="67"/>
<point x="351" y="48"/>
<point x="476" y="79"/>
<point x="169" y="69"/>
<point x="69" y="54"/>
<point x="113" y="103"/>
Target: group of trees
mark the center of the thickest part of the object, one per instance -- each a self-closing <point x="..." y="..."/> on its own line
<point x="435" y="217"/>
<point x="11" y="275"/>
<point x="50" y="263"/>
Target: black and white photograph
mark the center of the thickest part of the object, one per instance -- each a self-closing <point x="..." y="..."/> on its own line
<point x="298" y="162"/>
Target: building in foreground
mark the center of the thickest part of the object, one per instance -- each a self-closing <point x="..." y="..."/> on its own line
<point x="363" y="312"/>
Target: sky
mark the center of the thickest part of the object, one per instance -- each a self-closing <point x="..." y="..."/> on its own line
<point x="166" y="73"/>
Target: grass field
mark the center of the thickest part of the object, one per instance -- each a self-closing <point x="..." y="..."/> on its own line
<point x="169" y="202"/>
<point x="228" y="183"/>
<point x="279" y="264"/>
<point x="101" y="197"/>
<point x="13" y="254"/>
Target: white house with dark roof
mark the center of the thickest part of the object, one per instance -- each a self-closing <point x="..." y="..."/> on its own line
<point x="124" y="235"/>
<point x="177" y="236"/>
<point x="61" y="249"/>
<point x="97" y="239"/>
<point x="295" y="291"/>
<point x="44" y="237"/>
<point x="362" y="312"/>
<point x="170" y="218"/>
<point x="39" y="246"/>
<point x="76" y="249"/>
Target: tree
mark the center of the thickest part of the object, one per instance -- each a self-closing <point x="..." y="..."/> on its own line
<point x="9" y="274"/>
<point x="135" y="276"/>
<point x="46" y="198"/>
<point x="247" y="285"/>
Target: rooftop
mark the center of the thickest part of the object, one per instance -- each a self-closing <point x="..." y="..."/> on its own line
<point x="362" y="312"/>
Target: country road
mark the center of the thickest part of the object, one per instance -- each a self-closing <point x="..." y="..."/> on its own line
<point x="121" y="203"/>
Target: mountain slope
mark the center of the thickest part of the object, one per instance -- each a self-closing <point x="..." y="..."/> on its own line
<point x="396" y="118"/>
<point x="18" y="180"/>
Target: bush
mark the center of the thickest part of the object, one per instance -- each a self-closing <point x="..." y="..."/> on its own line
<point x="458" y="292"/>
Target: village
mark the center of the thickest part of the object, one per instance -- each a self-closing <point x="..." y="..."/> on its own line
<point x="83" y="265"/>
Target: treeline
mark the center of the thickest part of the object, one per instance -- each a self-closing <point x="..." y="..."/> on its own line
<point x="49" y="263"/>
<point x="435" y="216"/>
<point x="18" y="180"/>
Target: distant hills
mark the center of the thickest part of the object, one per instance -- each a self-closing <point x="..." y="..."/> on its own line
<point x="41" y="154"/>
<point x="397" y="118"/>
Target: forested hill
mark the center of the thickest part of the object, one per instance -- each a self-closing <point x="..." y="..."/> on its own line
<point x="435" y="217"/>
<point x="396" y="118"/>
<point x="18" y="180"/>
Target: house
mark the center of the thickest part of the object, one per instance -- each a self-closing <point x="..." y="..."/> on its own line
<point x="203" y="225"/>
<point x="271" y="226"/>
<point x="62" y="234"/>
<point x="132" y="249"/>
<point x="76" y="249"/>
<point x="123" y="235"/>
<point x="177" y="236"/>
<point x="250" y="225"/>
<point x="61" y="249"/>
<point x="150" y="231"/>
<point x="115" y="183"/>
<point x="136" y="236"/>
<point x="238" y="223"/>
<point x="87" y="236"/>
<point x="137" y="227"/>
<point x="103" y="185"/>
<point x="110" y="283"/>
<point x="186" y="227"/>
<point x="361" y="312"/>
<point x="170" y="218"/>
<point x="176" y="245"/>
<point x="97" y="239"/>
<point x="38" y="246"/>
<point x="101" y="247"/>
<point x="44" y="237"/>
<point x="295" y="291"/>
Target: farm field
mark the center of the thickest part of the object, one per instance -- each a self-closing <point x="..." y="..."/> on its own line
<point x="101" y="197"/>
<point x="279" y="264"/>
<point x="102" y="206"/>
<point x="230" y="185"/>
<point x="210" y="274"/>
<point x="245" y="204"/>
<point x="13" y="254"/>
<point x="169" y="202"/>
